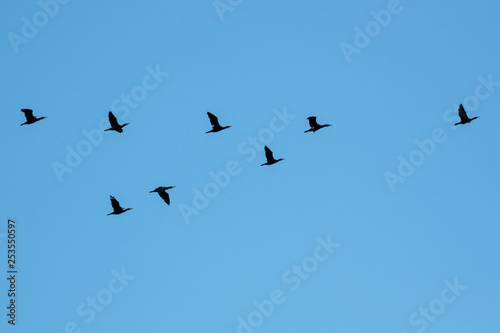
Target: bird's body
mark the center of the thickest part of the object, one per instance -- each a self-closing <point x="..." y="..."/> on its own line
<point x="117" y="209"/>
<point x="162" y="192"/>
<point x="30" y="119"/>
<point x="269" y="156"/>
<point x="464" y="119"/>
<point x="314" y="125"/>
<point x="114" y="123"/>
<point x="215" y="124"/>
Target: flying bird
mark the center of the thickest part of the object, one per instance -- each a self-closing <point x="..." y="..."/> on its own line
<point x="464" y="119"/>
<point x="270" y="158"/>
<point x="114" y="123"/>
<point x="314" y="125"/>
<point x="215" y="124"/>
<point x="162" y="192"/>
<point x="117" y="209"/>
<point x="30" y="119"/>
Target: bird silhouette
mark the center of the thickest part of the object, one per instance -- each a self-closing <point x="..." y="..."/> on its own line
<point x="30" y="119"/>
<point x="114" y="123"/>
<point x="117" y="209"/>
<point x="464" y="119"/>
<point x="314" y="125"/>
<point x="269" y="156"/>
<point x="215" y="124"/>
<point x="162" y="192"/>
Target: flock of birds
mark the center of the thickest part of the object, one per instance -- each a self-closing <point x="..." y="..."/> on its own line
<point x="216" y="127"/>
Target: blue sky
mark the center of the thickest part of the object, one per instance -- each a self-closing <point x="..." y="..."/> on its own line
<point x="384" y="222"/>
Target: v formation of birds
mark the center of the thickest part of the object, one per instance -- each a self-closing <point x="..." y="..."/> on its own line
<point x="216" y="127"/>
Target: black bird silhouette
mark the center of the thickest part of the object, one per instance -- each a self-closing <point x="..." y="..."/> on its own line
<point x="114" y="123"/>
<point x="270" y="158"/>
<point x="162" y="192"/>
<point x="215" y="124"/>
<point x="464" y="119"/>
<point x="30" y="119"/>
<point x="117" y="209"/>
<point x="314" y="125"/>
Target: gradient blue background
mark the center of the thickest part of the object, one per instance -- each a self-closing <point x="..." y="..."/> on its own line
<point x="397" y="247"/>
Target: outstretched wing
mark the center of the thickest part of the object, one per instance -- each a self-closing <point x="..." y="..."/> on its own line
<point x="112" y="120"/>
<point x="164" y="195"/>
<point x="115" y="204"/>
<point x="269" y="154"/>
<point x="462" y="114"/>
<point x="29" y="114"/>
<point x="213" y="120"/>
<point x="312" y="122"/>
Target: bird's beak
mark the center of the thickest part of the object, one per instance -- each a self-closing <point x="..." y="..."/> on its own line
<point x="151" y="191"/>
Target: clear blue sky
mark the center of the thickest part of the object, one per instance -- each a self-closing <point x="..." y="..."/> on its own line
<point x="398" y="246"/>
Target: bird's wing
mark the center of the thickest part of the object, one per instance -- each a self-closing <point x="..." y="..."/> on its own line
<point x="213" y="119"/>
<point x="165" y="197"/>
<point x="461" y="113"/>
<point x="312" y="122"/>
<point x="112" y="119"/>
<point x="28" y="113"/>
<point x="115" y="204"/>
<point x="269" y="154"/>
